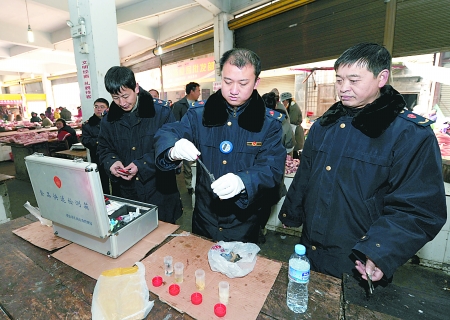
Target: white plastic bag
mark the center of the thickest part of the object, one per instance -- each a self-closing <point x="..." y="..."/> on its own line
<point x="37" y="213"/>
<point x="121" y="294"/>
<point x="219" y="258"/>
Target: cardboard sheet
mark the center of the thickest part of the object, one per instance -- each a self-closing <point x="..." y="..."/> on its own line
<point x="93" y="263"/>
<point x="41" y="236"/>
<point x="247" y="294"/>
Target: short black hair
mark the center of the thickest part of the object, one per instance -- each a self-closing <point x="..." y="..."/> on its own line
<point x="240" y="57"/>
<point x="374" y="57"/>
<point x="270" y="100"/>
<point x="61" y="120"/>
<point x="154" y="90"/>
<point x="42" y="114"/>
<point x="102" y="100"/>
<point x="118" y="78"/>
<point x="191" y="87"/>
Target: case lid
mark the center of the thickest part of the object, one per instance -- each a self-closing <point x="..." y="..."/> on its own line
<point x="69" y="192"/>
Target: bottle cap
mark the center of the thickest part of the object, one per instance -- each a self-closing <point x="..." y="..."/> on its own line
<point x="157" y="281"/>
<point x="220" y="310"/>
<point x="300" y="249"/>
<point x="174" y="289"/>
<point x="196" y="298"/>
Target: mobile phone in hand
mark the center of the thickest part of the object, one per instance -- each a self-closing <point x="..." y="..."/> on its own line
<point x="123" y="171"/>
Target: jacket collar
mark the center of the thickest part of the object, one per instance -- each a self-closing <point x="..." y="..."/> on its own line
<point x="252" y="117"/>
<point x="94" y="120"/>
<point x="145" y="109"/>
<point x="375" y="117"/>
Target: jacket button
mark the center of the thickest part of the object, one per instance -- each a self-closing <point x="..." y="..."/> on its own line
<point x="229" y="123"/>
<point x="378" y="245"/>
<point x="328" y="168"/>
<point x="137" y="178"/>
<point x="363" y="237"/>
<point x="224" y="161"/>
<point x="313" y="247"/>
<point x="113" y="157"/>
<point x="220" y="229"/>
<point x="284" y="215"/>
<point x="342" y="125"/>
<point x="96" y="142"/>
<point x="145" y="162"/>
<point x="134" y="148"/>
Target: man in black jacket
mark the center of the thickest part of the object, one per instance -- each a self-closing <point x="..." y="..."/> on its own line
<point x="90" y="131"/>
<point x="125" y="144"/>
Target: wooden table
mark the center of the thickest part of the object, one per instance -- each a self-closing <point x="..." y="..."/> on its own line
<point x="13" y="132"/>
<point x="34" y="285"/>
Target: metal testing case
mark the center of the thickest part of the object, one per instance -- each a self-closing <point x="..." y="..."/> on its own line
<point x="69" y="193"/>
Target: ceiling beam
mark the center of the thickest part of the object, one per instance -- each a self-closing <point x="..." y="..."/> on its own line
<point x="215" y="6"/>
<point x="56" y="4"/>
<point x="141" y="31"/>
<point x="11" y="33"/>
<point x="150" y="8"/>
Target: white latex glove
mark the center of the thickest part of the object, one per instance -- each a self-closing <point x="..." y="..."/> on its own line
<point x="227" y="186"/>
<point x="184" y="150"/>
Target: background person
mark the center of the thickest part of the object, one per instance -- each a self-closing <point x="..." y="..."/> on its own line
<point x="65" y="114"/>
<point x="125" y="144"/>
<point x="239" y="140"/>
<point x="89" y="138"/>
<point x="45" y="121"/>
<point x="56" y="114"/>
<point x="35" y="118"/>
<point x="66" y="132"/>
<point x="295" y="117"/>
<point x="154" y="93"/>
<point x="179" y="109"/>
<point x="369" y="190"/>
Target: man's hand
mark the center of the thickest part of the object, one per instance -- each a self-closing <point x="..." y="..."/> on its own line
<point x="184" y="150"/>
<point x="227" y="186"/>
<point x="369" y="268"/>
<point x="131" y="170"/>
<point x="117" y="169"/>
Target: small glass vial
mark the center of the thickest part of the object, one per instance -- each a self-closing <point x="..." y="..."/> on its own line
<point x="168" y="265"/>
<point x="224" y="292"/>
<point x="178" y="268"/>
<point x="200" y="279"/>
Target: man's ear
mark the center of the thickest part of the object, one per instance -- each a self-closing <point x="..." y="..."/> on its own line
<point x="137" y="88"/>
<point x="383" y="78"/>
<point x="256" y="83"/>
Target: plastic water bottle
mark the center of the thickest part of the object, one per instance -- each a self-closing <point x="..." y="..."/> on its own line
<point x="297" y="291"/>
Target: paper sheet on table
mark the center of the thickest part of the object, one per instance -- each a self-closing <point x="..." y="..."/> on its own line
<point x="93" y="263"/>
<point x="247" y="294"/>
<point x="41" y="236"/>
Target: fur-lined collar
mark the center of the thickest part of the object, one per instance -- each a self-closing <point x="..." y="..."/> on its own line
<point x="375" y="117"/>
<point x="145" y="109"/>
<point x="252" y="118"/>
<point x="94" y="120"/>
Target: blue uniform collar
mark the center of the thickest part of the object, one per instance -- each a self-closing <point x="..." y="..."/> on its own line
<point x="374" y="118"/>
<point x="251" y="114"/>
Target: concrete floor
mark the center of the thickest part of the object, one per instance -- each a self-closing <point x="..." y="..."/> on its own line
<point x="279" y="247"/>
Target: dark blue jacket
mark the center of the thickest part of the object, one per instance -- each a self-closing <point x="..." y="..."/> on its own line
<point x="369" y="184"/>
<point x="179" y="108"/>
<point x="89" y="137"/>
<point x="258" y="158"/>
<point x="129" y="137"/>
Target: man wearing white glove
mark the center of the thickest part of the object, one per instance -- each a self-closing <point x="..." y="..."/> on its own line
<point x="184" y="150"/>
<point x="228" y="186"/>
<point x="239" y="142"/>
